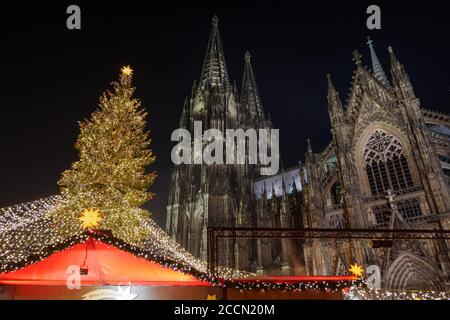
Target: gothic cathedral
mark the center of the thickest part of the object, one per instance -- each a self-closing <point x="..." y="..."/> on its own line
<point x="387" y="166"/>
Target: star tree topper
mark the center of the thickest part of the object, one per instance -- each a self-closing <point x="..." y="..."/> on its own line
<point x="90" y="218"/>
<point x="126" y="70"/>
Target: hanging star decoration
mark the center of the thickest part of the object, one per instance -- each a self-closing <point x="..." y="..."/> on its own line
<point x="211" y="297"/>
<point x="126" y="70"/>
<point x="90" y="218"/>
<point x="356" y="270"/>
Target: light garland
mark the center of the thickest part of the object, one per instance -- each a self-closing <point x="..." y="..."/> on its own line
<point x="36" y="237"/>
<point x="25" y="213"/>
<point x="23" y="244"/>
<point x="328" y="286"/>
<point x="364" y="293"/>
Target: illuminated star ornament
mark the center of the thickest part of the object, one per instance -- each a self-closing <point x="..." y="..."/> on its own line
<point x="90" y="218"/>
<point x="127" y="71"/>
<point x="356" y="270"/>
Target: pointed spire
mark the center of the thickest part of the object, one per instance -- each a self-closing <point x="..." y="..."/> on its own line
<point x="269" y="121"/>
<point x="294" y="186"/>
<point x="265" y="191"/>
<point x="377" y="69"/>
<point x="335" y="109"/>
<point x="333" y="95"/>
<point x="394" y="60"/>
<point x="183" y="118"/>
<point x="331" y="89"/>
<point x="396" y="67"/>
<point x="400" y="78"/>
<point x="309" y="147"/>
<point x="284" y="187"/>
<point x="214" y="71"/>
<point x="250" y="99"/>
<point x="309" y="156"/>
<point x="194" y="88"/>
<point x="247" y="56"/>
<point x="273" y="192"/>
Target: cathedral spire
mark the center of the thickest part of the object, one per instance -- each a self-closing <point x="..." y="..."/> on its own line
<point x="400" y="78"/>
<point x="250" y="99"/>
<point x="377" y="69"/>
<point x="269" y="121"/>
<point x="309" y="148"/>
<point x="294" y="186"/>
<point x="265" y="191"/>
<point x="274" y="194"/>
<point x="309" y="156"/>
<point x="335" y="109"/>
<point x="394" y="61"/>
<point x="184" y="116"/>
<point x="214" y="72"/>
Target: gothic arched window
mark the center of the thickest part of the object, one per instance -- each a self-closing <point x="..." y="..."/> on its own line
<point x="386" y="164"/>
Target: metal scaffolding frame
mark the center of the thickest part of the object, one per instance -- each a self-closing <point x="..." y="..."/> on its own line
<point x="215" y="233"/>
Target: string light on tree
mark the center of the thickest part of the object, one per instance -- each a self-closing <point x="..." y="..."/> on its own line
<point x="111" y="174"/>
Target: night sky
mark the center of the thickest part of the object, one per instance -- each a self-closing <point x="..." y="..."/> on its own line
<point x="52" y="77"/>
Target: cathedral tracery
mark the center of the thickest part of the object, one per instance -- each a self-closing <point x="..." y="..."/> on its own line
<point x="386" y="164"/>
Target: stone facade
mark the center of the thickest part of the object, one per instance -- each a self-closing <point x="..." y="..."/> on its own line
<point x="204" y="195"/>
<point x="384" y="168"/>
<point x="387" y="166"/>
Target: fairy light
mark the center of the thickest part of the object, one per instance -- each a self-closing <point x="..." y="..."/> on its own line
<point x="364" y="293"/>
<point x="28" y="235"/>
<point x="25" y="213"/>
<point x="23" y="243"/>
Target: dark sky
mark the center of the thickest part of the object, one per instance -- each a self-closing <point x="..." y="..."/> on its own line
<point x="52" y="77"/>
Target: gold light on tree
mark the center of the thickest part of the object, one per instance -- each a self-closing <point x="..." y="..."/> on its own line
<point x="111" y="174"/>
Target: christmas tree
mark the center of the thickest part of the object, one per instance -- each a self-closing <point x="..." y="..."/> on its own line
<point x="105" y="188"/>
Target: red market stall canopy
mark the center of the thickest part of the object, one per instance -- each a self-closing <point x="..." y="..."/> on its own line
<point x="106" y="265"/>
<point x="35" y="255"/>
<point x="100" y="263"/>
